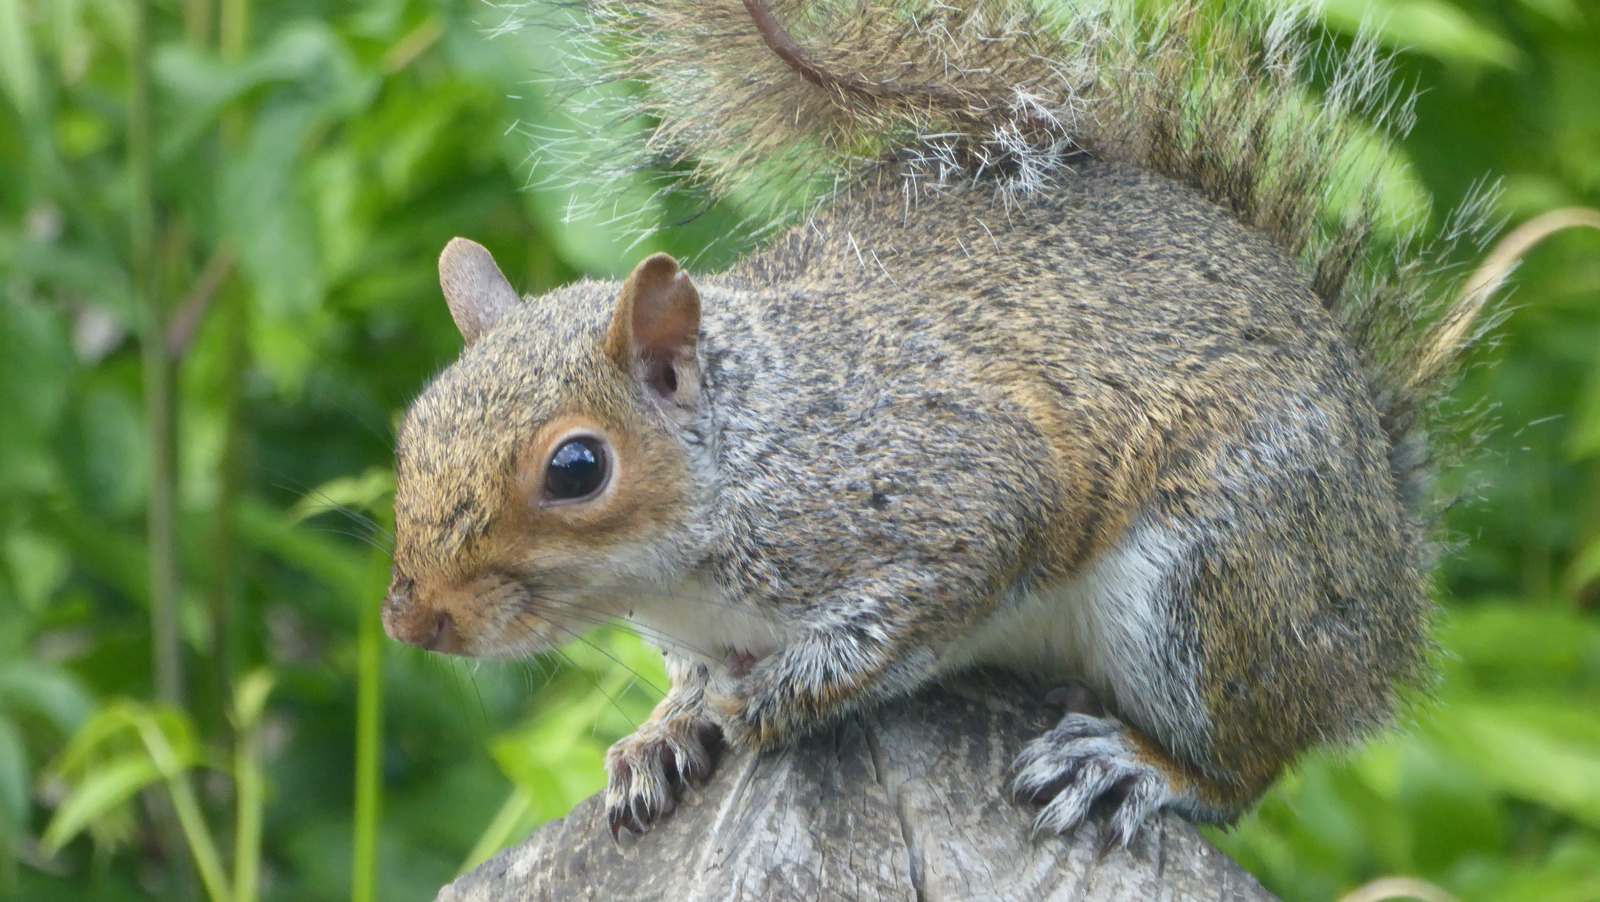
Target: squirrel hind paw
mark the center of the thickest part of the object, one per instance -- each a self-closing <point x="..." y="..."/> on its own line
<point x="648" y="769"/>
<point x="1091" y="767"/>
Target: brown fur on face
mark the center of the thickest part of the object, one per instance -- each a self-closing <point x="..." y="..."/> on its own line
<point x="484" y="564"/>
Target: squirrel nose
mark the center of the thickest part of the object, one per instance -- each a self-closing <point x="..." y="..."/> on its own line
<point x="407" y="621"/>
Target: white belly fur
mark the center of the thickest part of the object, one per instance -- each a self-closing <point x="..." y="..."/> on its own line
<point x="1103" y="627"/>
<point x="699" y="623"/>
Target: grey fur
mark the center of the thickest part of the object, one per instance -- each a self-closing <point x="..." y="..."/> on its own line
<point x="1078" y="372"/>
<point x="907" y="423"/>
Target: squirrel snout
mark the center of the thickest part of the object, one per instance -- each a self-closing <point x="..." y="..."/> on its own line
<point x="414" y="623"/>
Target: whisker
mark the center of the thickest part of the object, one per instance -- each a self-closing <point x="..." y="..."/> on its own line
<point x="543" y="665"/>
<point x="531" y="592"/>
<point x="624" y="590"/>
<point x="613" y="658"/>
<point x="367" y="524"/>
<point x="581" y="614"/>
<point x="637" y="678"/>
<point x="368" y="540"/>
<point x="472" y="679"/>
<point x="457" y="671"/>
<point x="598" y="688"/>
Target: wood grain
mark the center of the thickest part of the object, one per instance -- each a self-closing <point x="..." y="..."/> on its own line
<point x="905" y="802"/>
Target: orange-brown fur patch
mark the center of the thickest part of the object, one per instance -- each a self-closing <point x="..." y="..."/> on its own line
<point x="643" y="489"/>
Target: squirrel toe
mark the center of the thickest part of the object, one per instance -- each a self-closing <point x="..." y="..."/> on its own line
<point x="1090" y="766"/>
<point x="647" y="770"/>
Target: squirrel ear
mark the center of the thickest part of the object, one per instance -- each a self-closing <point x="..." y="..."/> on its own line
<point x="474" y="287"/>
<point x="657" y="323"/>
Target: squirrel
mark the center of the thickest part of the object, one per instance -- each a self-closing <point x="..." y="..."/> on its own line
<point x="1073" y="374"/>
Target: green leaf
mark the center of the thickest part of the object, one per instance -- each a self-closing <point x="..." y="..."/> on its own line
<point x="92" y="273"/>
<point x="19" y="70"/>
<point x="1431" y="27"/>
<point x="118" y="18"/>
<point x="504" y="829"/>
<point x="109" y="786"/>
<point x="1563" y="11"/>
<point x="1566" y="874"/>
<point x="250" y="698"/>
<point x="13" y="782"/>
<point x="1452" y="811"/>
<point x="111" y="554"/>
<point x="104" y="733"/>
<point x="37" y="566"/>
<point x="33" y="385"/>
<point x="265" y="216"/>
<point x="306" y="55"/>
<point x="1521" y="640"/>
<point x="343" y="570"/>
<point x="124" y="725"/>
<point x="54" y="695"/>
<point x="1585" y="569"/>
<point x="1538" y="756"/>
<point x="368" y="492"/>
<point x="1585" y="440"/>
<point x="72" y="45"/>
<point x="103" y="451"/>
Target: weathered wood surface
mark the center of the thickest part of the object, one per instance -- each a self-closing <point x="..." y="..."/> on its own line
<point x="907" y="802"/>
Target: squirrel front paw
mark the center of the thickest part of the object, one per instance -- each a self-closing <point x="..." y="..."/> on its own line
<point x="1092" y="763"/>
<point x="647" y="769"/>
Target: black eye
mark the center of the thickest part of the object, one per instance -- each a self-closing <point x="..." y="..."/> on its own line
<point x="577" y="469"/>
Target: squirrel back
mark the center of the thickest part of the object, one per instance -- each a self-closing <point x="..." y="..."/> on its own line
<point x="799" y="102"/>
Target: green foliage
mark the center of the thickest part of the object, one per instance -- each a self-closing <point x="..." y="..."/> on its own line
<point x="309" y="161"/>
<point x="128" y="746"/>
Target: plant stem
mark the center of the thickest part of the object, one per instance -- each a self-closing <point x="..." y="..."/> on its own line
<point x="248" y="802"/>
<point x="201" y="845"/>
<point x="156" y="368"/>
<point x="234" y="36"/>
<point x="233" y="39"/>
<point x="190" y="816"/>
<point x="160" y="421"/>
<point x="197" y="21"/>
<point x="369" y="737"/>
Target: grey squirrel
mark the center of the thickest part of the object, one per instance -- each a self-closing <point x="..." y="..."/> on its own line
<point x="1074" y="375"/>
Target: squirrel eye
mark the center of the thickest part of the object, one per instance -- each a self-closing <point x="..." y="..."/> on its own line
<point x="577" y="470"/>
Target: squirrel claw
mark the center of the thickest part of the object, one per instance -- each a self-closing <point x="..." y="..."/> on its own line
<point x="621" y="819"/>
<point x="650" y="767"/>
<point x="1089" y="766"/>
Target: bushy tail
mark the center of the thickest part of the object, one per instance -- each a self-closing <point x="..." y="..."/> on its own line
<point x="795" y="101"/>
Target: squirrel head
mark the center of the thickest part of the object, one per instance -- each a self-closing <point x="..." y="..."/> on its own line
<point x="543" y="480"/>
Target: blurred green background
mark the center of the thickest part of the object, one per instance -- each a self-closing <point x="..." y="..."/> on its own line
<point x="219" y="221"/>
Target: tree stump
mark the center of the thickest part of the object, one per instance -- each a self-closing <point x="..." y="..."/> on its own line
<point x="909" y="801"/>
